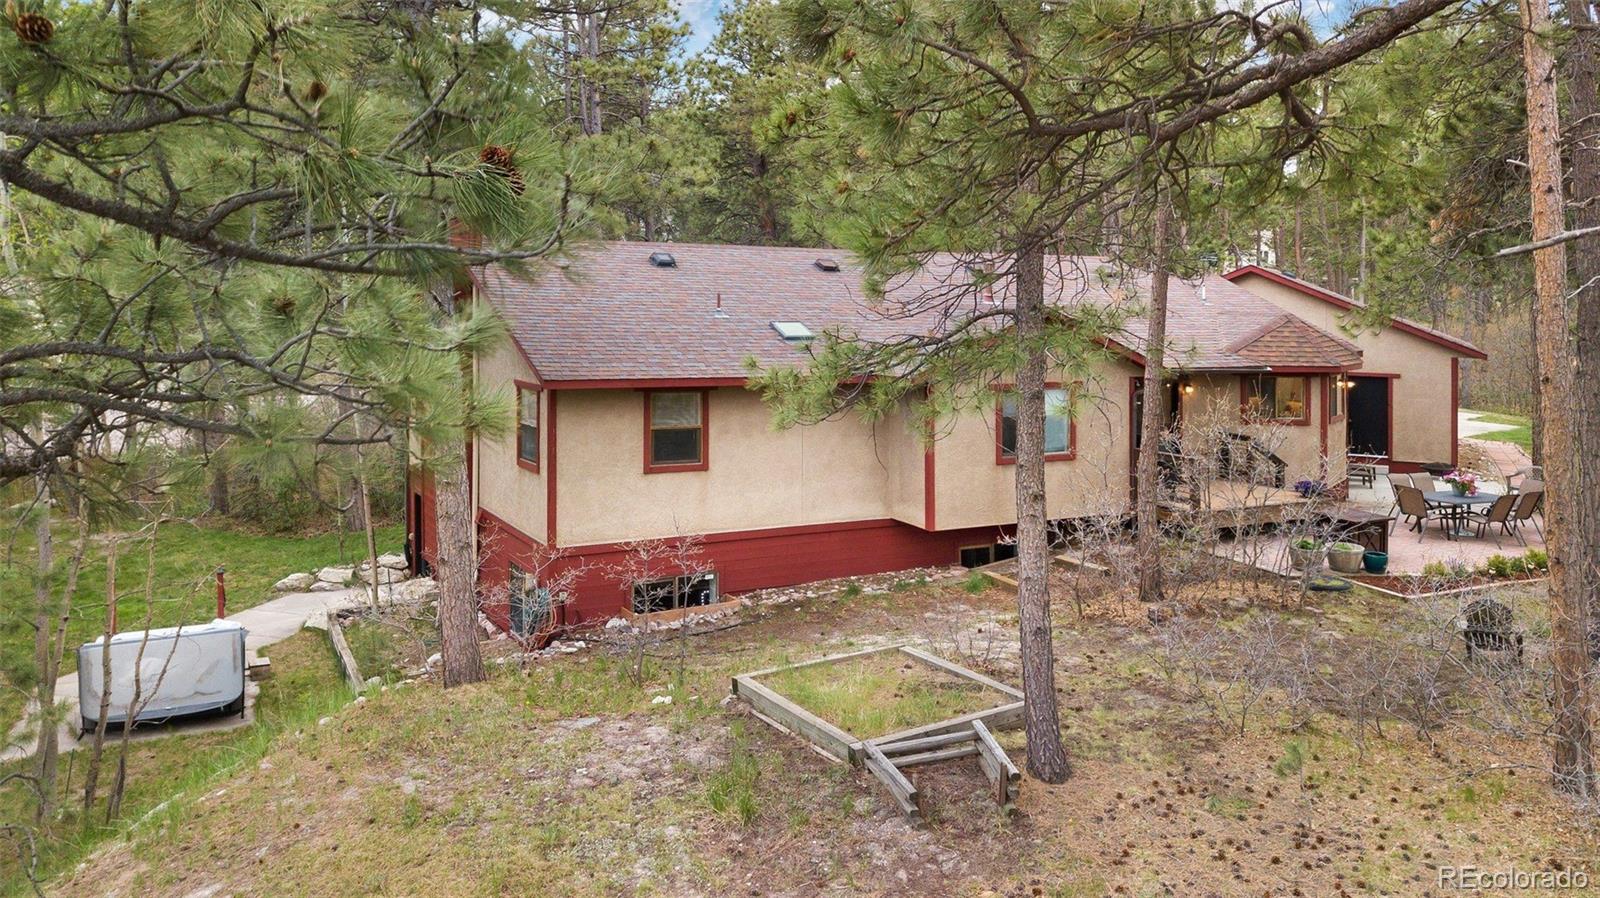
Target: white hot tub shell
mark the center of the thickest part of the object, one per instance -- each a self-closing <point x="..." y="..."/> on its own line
<point x="182" y="670"/>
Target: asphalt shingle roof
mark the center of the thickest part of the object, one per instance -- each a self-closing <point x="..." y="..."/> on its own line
<point x="609" y="314"/>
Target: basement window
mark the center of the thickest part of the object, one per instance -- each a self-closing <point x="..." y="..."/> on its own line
<point x="978" y="556"/>
<point x="672" y="593"/>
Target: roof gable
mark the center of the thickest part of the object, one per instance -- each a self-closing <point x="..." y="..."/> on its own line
<point x="1404" y="325"/>
<point x="1290" y="342"/>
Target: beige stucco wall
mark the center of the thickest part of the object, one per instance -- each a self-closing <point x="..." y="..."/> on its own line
<point x="1423" y="415"/>
<point x="823" y="473"/>
<point x="971" y="490"/>
<point x="900" y="448"/>
<point x="1215" y="404"/>
<point x="506" y="489"/>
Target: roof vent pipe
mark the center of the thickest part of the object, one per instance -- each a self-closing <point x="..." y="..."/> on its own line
<point x="718" y="311"/>
<point x="1203" y="300"/>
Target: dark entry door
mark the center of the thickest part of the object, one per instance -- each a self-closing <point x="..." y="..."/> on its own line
<point x="1369" y="415"/>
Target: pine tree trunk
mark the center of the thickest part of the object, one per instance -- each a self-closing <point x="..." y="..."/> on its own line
<point x="46" y="749"/>
<point x="588" y="91"/>
<point x="458" y="604"/>
<point x="1047" y="759"/>
<point x="366" y="523"/>
<point x="1146" y="512"/>
<point x="220" y="503"/>
<point x="352" y="517"/>
<point x="97" y="749"/>
<point x="1583" y="97"/>
<point x="1536" y="417"/>
<point x="1573" y="762"/>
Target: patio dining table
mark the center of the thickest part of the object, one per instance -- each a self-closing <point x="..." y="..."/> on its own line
<point x="1456" y="507"/>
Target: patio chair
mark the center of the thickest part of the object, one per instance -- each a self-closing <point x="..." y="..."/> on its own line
<point x="1498" y="513"/>
<point x="1524" y="475"/>
<point x="1396" y="481"/>
<point x="1414" y="507"/>
<point x="1529" y="501"/>
<point x="1422" y="480"/>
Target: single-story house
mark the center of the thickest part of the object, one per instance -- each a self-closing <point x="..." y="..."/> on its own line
<point x="629" y="367"/>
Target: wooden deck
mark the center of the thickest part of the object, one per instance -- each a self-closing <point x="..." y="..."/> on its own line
<point x="1234" y="503"/>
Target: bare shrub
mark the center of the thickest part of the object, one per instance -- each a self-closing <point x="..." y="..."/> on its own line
<point x="1232" y="670"/>
<point x="653" y="571"/>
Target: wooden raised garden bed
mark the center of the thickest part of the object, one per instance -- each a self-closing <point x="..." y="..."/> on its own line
<point x="889" y="709"/>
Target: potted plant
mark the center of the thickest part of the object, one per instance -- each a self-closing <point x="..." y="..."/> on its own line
<point x="1375" y="562"/>
<point x="1346" y="557"/>
<point x="1464" y="483"/>
<point x="1306" y="554"/>
<point x="1308" y="488"/>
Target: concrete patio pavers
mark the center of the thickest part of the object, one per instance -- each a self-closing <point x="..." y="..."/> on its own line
<point x="1407" y="553"/>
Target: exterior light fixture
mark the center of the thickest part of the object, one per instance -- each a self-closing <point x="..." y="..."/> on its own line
<point x="1188" y="388"/>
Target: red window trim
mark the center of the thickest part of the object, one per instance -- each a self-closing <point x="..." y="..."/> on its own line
<point x="1001" y="458"/>
<point x="1244" y="401"/>
<point x="516" y="442"/>
<point x="1332" y="384"/>
<point x="705" y="434"/>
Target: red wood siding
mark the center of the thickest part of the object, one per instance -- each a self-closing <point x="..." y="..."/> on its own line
<point x="743" y="561"/>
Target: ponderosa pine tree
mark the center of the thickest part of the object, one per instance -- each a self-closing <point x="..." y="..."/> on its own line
<point x="1004" y="133"/>
<point x="256" y="166"/>
<point x="1572" y="729"/>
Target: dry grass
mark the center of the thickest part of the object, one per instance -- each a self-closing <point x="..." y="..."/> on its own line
<point x="874" y="695"/>
<point x="568" y="781"/>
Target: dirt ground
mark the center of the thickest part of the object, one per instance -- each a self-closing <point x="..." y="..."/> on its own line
<point x="569" y="779"/>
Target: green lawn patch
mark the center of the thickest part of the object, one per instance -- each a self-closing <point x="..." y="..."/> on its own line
<point x="1521" y="431"/>
<point x="305" y="685"/>
<point x="881" y="693"/>
<point x="186" y="557"/>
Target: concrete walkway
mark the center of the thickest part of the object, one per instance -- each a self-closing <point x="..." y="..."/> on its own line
<point x="267" y="623"/>
<point x="1468" y="425"/>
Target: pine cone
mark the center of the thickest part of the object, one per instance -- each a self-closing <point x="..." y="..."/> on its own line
<point x="499" y="158"/>
<point x="33" y="28"/>
<point x="315" y="91"/>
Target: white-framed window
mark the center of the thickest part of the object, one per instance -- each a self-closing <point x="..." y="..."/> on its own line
<point x="671" y="593"/>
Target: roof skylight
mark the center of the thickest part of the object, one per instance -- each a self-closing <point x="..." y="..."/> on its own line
<point x="793" y="331"/>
